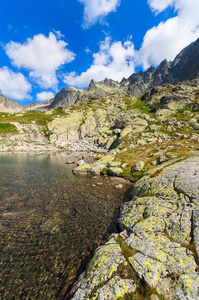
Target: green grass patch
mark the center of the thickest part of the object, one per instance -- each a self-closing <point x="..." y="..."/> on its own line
<point x="141" y="105"/>
<point x="136" y="175"/>
<point x="58" y="111"/>
<point x="7" y="128"/>
<point x="126" y="173"/>
<point x="101" y="284"/>
<point x="40" y="118"/>
<point x="104" y="171"/>
<point x="3" y="115"/>
<point x="186" y="108"/>
<point x="127" y="251"/>
<point x="138" y="104"/>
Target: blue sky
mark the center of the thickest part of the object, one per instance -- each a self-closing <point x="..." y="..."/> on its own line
<point x="47" y="45"/>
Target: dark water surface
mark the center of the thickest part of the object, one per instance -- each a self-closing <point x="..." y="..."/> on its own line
<point x="50" y="220"/>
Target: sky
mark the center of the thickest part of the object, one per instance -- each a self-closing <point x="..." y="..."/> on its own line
<point x="51" y="44"/>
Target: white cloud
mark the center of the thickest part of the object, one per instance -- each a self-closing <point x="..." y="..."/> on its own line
<point x="43" y="96"/>
<point x="168" y="38"/>
<point x="14" y="85"/>
<point x="42" y="56"/>
<point x="87" y="50"/>
<point x="160" y="5"/>
<point x="95" y="10"/>
<point x="114" y="60"/>
<point x="58" y="34"/>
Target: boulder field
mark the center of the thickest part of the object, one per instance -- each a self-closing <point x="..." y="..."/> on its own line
<point x="156" y="253"/>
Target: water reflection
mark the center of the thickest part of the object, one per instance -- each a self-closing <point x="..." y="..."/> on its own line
<point x="49" y="222"/>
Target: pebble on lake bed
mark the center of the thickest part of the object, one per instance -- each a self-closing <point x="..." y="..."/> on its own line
<point x="70" y="162"/>
<point x="118" y="186"/>
<point x="99" y="183"/>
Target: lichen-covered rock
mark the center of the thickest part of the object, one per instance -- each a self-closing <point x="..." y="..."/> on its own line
<point x="154" y="297"/>
<point x="65" y="129"/>
<point x="178" y="225"/>
<point x="88" y="125"/>
<point x="80" y="162"/>
<point x="149" y="224"/>
<point x="101" y="268"/>
<point x="188" y="287"/>
<point x="88" y="169"/>
<point x="128" y="129"/>
<point x="161" y="225"/>
<point x="115" y="171"/>
<point x="162" y="114"/>
<point x="139" y="166"/>
<point x="139" y="124"/>
<point x="148" y="268"/>
<point x="106" y="159"/>
<point x="196" y="231"/>
<point x="194" y="122"/>
<point x="110" y="141"/>
<point x="130" y="215"/>
<point x="161" y="228"/>
<point x="115" y="288"/>
<point x="161" y="248"/>
<point x="113" y="164"/>
<point x="98" y="166"/>
<point x="172" y="181"/>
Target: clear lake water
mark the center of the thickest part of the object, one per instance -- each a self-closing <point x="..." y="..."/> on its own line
<point x="50" y="223"/>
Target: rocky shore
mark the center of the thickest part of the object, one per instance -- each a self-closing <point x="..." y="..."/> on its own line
<point x="156" y="254"/>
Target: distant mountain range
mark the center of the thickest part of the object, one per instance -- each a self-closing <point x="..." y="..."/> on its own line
<point x="184" y="67"/>
<point x="9" y="105"/>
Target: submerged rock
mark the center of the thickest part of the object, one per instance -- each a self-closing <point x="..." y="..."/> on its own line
<point x="118" y="186"/>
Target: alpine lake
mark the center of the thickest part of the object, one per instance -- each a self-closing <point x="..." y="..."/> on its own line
<point x="51" y="221"/>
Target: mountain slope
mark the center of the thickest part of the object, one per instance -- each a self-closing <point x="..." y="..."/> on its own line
<point x="9" y="105"/>
<point x="184" y="67"/>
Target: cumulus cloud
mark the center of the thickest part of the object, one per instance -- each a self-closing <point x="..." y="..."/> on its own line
<point x="43" y="96"/>
<point x="169" y="37"/>
<point x="95" y="10"/>
<point x="158" y="6"/>
<point x="114" y="60"/>
<point x="42" y="56"/>
<point x="14" y="85"/>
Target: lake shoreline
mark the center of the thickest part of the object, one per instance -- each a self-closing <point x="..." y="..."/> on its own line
<point x="34" y="201"/>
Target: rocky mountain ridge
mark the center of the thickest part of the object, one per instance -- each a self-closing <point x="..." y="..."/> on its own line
<point x="184" y="67"/>
<point x="9" y="105"/>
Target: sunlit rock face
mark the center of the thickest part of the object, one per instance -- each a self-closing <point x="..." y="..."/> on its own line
<point x="159" y="242"/>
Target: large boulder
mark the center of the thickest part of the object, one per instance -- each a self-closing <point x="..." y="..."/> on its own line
<point x="65" y="129"/>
